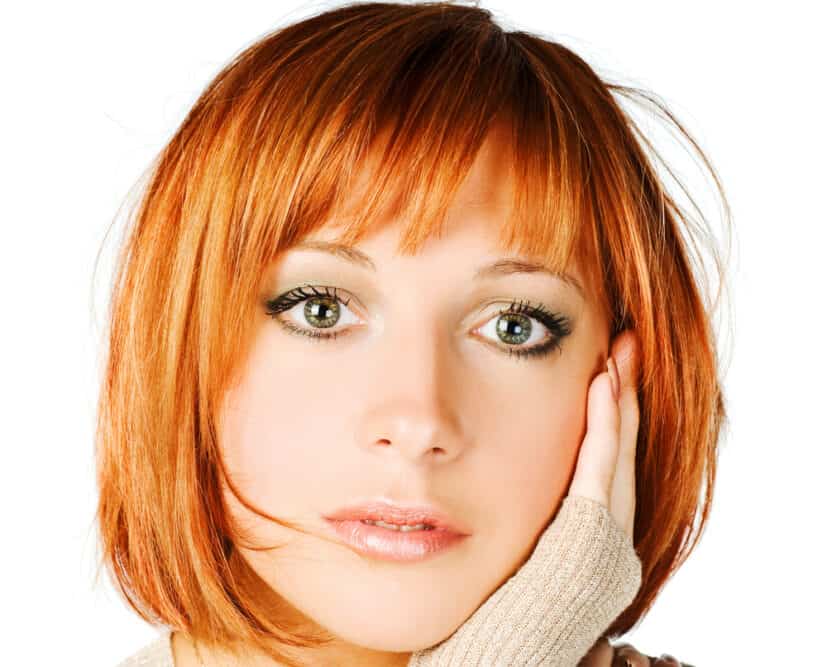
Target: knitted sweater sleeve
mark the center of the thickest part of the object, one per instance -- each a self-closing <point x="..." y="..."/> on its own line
<point x="582" y="574"/>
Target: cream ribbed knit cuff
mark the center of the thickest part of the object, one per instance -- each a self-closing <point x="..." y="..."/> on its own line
<point x="582" y="574"/>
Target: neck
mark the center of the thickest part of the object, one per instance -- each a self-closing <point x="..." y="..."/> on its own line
<point x="187" y="653"/>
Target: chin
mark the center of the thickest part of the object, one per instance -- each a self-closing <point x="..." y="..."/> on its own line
<point x="405" y="628"/>
<point x="406" y="640"/>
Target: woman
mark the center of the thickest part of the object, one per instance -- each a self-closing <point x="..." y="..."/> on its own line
<point x="389" y="256"/>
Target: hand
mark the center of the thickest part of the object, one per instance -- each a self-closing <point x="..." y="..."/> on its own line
<point x="605" y="469"/>
<point x="603" y="654"/>
<point x="540" y="615"/>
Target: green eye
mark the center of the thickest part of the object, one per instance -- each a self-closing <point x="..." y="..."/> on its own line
<point x="321" y="311"/>
<point x="513" y="326"/>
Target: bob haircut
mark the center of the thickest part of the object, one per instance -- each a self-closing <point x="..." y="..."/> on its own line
<point x="266" y="156"/>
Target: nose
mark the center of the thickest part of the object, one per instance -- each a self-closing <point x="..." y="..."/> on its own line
<point x="414" y="411"/>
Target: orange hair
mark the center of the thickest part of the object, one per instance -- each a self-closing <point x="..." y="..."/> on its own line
<point x="268" y="152"/>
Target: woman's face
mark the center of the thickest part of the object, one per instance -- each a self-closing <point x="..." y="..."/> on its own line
<point x="415" y="400"/>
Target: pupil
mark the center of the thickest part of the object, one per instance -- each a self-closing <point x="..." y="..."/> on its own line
<point x="321" y="312"/>
<point x="514" y="328"/>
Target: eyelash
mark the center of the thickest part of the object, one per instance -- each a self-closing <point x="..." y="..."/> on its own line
<point x="558" y="325"/>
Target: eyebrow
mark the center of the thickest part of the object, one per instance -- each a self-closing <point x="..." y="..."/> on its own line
<point x="501" y="267"/>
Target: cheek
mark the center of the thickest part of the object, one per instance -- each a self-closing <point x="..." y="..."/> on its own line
<point x="543" y="448"/>
<point x="528" y="477"/>
<point x="274" y="440"/>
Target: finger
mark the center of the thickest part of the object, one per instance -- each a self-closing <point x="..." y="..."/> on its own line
<point x="599" y="655"/>
<point x="629" y="655"/>
<point x="624" y="350"/>
<point x="631" y="661"/>
<point x="597" y="459"/>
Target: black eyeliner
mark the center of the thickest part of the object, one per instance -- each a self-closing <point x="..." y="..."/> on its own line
<point x="558" y="325"/>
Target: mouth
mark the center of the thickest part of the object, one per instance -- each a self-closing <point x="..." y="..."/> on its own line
<point x="405" y="543"/>
<point x="386" y="530"/>
<point x="405" y="528"/>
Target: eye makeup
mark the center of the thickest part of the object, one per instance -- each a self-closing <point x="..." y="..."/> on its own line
<point x="323" y="307"/>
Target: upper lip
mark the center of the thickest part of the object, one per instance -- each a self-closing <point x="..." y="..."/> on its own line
<point x="382" y="509"/>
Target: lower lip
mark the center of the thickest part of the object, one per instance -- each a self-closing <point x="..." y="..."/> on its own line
<point x="394" y="545"/>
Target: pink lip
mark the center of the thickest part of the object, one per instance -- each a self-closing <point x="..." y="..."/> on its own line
<point x="388" y="544"/>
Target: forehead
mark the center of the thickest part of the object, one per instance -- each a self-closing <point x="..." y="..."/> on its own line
<point x="470" y="233"/>
<point x="385" y="211"/>
<point x="489" y="184"/>
<point x="487" y="189"/>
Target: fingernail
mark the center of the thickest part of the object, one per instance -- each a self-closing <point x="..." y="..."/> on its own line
<point x="620" y="661"/>
<point x="612" y="368"/>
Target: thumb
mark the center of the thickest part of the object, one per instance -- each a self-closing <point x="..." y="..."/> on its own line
<point x="597" y="460"/>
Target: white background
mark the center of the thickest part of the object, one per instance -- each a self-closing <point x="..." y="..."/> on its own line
<point x="92" y="91"/>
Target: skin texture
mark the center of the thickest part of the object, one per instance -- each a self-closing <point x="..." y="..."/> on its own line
<point x="454" y="421"/>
